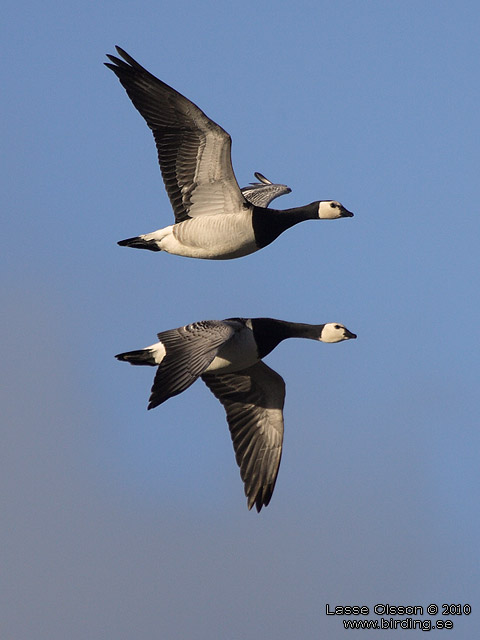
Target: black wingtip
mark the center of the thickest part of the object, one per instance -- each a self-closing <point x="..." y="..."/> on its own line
<point x="123" y="54"/>
<point x="120" y="51"/>
<point x="259" y="501"/>
<point x="116" y="64"/>
<point x="258" y="505"/>
<point x="129" y="61"/>
<point x="155" y="402"/>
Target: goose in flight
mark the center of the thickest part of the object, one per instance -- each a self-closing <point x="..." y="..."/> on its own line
<point x="213" y="219"/>
<point x="227" y="355"/>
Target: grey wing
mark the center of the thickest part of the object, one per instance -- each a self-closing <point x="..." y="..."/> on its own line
<point x="188" y="352"/>
<point x="253" y="400"/>
<point x="193" y="151"/>
<point x="262" y="193"/>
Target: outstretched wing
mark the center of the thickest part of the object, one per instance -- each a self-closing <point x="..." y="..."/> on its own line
<point x="262" y="193"/>
<point x="188" y="352"/>
<point x="253" y="400"/>
<point x="193" y="151"/>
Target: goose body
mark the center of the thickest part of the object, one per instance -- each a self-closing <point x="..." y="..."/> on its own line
<point x="214" y="218"/>
<point x="227" y="355"/>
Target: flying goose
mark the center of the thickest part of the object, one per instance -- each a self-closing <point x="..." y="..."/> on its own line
<point x="213" y="218"/>
<point x="227" y="355"/>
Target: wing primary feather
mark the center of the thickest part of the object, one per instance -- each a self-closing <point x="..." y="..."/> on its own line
<point x="253" y="400"/>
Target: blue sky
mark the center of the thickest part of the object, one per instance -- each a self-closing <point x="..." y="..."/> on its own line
<point x="122" y="523"/>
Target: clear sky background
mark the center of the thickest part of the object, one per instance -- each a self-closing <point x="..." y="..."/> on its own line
<point x="119" y="523"/>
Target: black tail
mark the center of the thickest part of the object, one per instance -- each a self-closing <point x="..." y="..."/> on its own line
<point x="142" y="356"/>
<point x="140" y="243"/>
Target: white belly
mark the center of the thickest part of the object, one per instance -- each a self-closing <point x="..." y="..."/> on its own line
<point x="238" y="353"/>
<point x="218" y="237"/>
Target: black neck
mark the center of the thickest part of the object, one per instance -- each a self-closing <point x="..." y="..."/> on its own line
<point x="269" y="332"/>
<point x="268" y="224"/>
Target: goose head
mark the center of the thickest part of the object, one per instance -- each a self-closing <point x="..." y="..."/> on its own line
<point x="331" y="209"/>
<point x="335" y="332"/>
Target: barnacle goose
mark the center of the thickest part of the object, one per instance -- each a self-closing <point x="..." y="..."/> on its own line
<point x="227" y="355"/>
<point x="213" y="218"/>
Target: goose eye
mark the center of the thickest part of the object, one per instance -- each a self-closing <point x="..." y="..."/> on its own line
<point x="337" y="326"/>
<point x="333" y="205"/>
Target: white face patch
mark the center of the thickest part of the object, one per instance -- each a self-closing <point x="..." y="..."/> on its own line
<point x="158" y="351"/>
<point x="333" y="332"/>
<point x="329" y="210"/>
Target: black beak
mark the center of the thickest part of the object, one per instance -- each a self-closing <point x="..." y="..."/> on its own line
<point x="348" y="334"/>
<point x="346" y="213"/>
